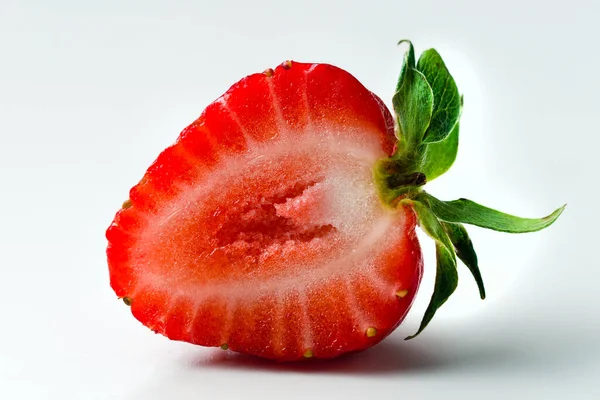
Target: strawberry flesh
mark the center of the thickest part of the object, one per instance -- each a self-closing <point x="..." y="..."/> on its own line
<point x="261" y="227"/>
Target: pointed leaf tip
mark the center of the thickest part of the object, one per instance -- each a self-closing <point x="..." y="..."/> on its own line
<point x="407" y="64"/>
<point x="409" y="56"/>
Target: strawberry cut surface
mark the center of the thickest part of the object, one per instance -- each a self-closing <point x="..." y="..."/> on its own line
<point x="261" y="229"/>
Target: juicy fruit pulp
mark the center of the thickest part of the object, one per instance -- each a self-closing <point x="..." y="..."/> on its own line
<point x="261" y="229"/>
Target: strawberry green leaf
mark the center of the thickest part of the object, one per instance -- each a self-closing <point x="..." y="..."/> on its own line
<point x="446" y="276"/>
<point x="447" y="102"/>
<point x="468" y="212"/>
<point x="465" y="251"/>
<point x="438" y="157"/>
<point x="413" y="103"/>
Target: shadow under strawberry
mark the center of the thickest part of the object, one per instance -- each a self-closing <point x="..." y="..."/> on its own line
<point x="393" y="356"/>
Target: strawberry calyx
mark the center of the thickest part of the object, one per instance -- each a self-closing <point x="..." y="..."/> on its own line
<point x="427" y="108"/>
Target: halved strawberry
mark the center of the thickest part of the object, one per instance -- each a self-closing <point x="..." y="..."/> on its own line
<point x="282" y="221"/>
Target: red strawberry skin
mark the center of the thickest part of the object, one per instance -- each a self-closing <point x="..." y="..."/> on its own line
<point x="261" y="229"/>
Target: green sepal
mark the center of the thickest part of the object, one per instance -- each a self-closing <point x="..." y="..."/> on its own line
<point x="464" y="250"/>
<point x="428" y="107"/>
<point x="447" y="101"/>
<point x="437" y="158"/>
<point x="413" y="103"/>
<point x="446" y="276"/>
<point x="468" y="212"/>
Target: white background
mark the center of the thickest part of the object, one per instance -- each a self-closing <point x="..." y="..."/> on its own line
<point x="91" y="91"/>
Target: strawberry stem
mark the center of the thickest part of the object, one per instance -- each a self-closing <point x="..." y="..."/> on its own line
<point x="412" y="179"/>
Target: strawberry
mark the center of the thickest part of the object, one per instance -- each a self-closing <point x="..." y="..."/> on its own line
<point x="282" y="221"/>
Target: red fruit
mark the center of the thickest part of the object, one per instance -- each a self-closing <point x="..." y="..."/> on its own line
<point x="267" y="227"/>
<point x="261" y="228"/>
